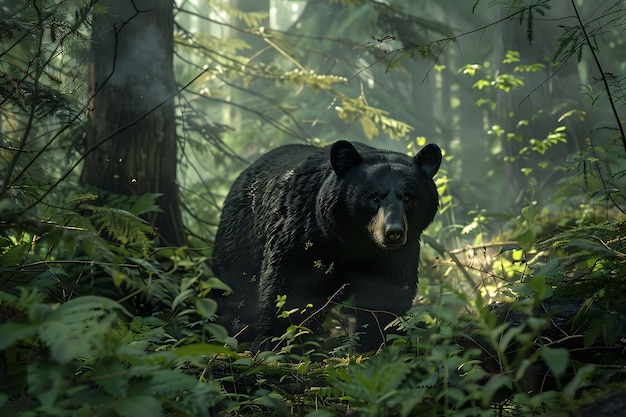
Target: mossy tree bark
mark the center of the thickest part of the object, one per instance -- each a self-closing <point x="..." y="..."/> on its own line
<point x="131" y="137"/>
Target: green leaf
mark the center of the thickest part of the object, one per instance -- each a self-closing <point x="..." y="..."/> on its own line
<point x="168" y="381"/>
<point x="511" y="57"/>
<point x="87" y="307"/>
<point x="206" y="307"/>
<point x="303" y="367"/>
<point x="480" y="84"/>
<point x="182" y="296"/>
<point x="111" y="375"/>
<point x="274" y="401"/>
<point x="530" y="213"/>
<point x="217" y="284"/>
<point x="526" y="239"/>
<point x="218" y="331"/>
<point x="119" y="277"/>
<point x="40" y="312"/>
<point x="508" y="335"/>
<point x="46" y="382"/>
<point x="201" y="350"/>
<point x="64" y="343"/>
<point x="146" y="203"/>
<point x="139" y="405"/>
<point x="583" y="373"/>
<point x="136" y="324"/>
<point x="12" y="332"/>
<point x="14" y="255"/>
<point x="493" y="385"/>
<point x="556" y="359"/>
<point x="538" y="284"/>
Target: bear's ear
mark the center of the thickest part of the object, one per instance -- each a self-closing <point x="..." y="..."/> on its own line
<point x="429" y="159"/>
<point x="344" y="157"/>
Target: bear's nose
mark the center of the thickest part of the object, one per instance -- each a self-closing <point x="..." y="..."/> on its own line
<point x="394" y="232"/>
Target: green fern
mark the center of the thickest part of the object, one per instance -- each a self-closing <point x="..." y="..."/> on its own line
<point x="122" y="226"/>
<point x="83" y="356"/>
<point x="76" y="200"/>
<point x="373" y="381"/>
<point x="591" y="265"/>
<point x="602" y="241"/>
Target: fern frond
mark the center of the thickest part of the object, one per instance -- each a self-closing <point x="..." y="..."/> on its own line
<point x="48" y="101"/>
<point x="578" y="257"/>
<point x="76" y="200"/>
<point x="589" y="245"/>
<point x="122" y="225"/>
<point x="530" y="26"/>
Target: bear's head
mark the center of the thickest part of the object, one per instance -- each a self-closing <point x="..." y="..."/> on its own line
<point x="380" y="197"/>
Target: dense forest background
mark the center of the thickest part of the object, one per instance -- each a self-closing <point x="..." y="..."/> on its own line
<point x="123" y="124"/>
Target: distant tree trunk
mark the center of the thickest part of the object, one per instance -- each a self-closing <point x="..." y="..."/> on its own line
<point x="132" y="124"/>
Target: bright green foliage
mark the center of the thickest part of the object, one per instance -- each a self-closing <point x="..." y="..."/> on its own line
<point x="380" y="384"/>
<point x="462" y="358"/>
<point x="370" y="118"/>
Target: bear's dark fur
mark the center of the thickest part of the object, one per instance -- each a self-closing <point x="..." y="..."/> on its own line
<point x="303" y="221"/>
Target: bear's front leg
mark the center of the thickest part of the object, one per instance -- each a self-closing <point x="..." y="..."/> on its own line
<point x="378" y="304"/>
<point x="288" y="296"/>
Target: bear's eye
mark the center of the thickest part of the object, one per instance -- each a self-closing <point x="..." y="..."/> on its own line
<point x="406" y="199"/>
<point x="374" y="198"/>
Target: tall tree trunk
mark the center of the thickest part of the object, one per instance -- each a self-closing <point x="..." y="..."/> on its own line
<point x="132" y="125"/>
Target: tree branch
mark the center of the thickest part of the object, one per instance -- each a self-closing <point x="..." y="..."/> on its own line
<point x="604" y="79"/>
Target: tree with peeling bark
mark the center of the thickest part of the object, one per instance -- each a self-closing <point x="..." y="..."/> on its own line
<point x="131" y="135"/>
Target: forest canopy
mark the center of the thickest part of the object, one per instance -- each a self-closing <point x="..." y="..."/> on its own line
<point x="123" y="125"/>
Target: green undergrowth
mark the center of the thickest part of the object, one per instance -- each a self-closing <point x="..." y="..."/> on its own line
<point x="114" y="327"/>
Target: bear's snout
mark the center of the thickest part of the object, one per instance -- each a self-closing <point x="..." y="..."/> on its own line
<point x="388" y="227"/>
<point x="394" y="232"/>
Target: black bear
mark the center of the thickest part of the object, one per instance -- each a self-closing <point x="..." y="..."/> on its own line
<point x="302" y="221"/>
